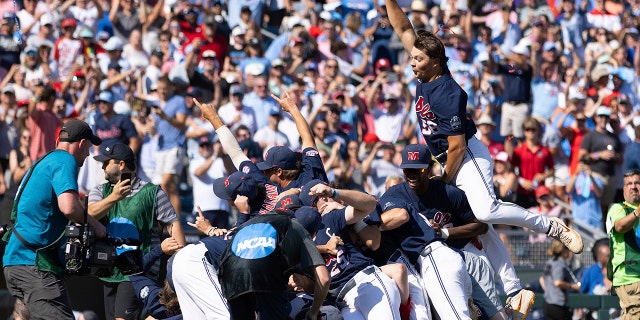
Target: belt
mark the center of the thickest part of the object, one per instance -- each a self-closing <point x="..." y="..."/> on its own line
<point x="352" y="282"/>
<point x="515" y="102"/>
<point x="432" y="247"/>
<point x="395" y="256"/>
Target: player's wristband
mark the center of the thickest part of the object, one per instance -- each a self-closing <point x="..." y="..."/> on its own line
<point x="359" y="226"/>
<point x="210" y="230"/>
<point x="334" y="194"/>
<point x="635" y="213"/>
<point x="445" y="233"/>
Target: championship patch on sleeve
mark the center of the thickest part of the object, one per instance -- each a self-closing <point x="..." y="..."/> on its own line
<point x="246" y="169"/>
<point x="455" y="123"/>
<point x="387" y="205"/>
<point x="311" y="153"/>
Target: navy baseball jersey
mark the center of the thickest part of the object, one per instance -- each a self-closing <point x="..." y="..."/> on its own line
<point x="441" y="106"/>
<point x="444" y="203"/>
<point x="215" y="246"/>
<point x="311" y="167"/>
<point x="118" y="129"/>
<point x="349" y="259"/>
<point x="258" y="205"/>
<point x="413" y="236"/>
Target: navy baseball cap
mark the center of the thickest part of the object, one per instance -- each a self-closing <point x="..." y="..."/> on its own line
<point x="118" y="151"/>
<point x="309" y="218"/>
<point x="235" y="184"/>
<point x="279" y="157"/>
<point x="306" y="199"/>
<point x="290" y="202"/>
<point x="75" y="130"/>
<point x="415" y="156"/>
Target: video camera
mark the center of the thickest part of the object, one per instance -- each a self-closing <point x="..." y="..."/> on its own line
<point x="84" y="254"/>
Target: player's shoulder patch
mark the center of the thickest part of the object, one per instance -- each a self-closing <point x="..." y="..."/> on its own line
<point x="246" y="169"/>
<point x="144" y="292"/>
<point x="455" y="123"/>
<point x="311" y="153"/>
<point x="388" y="205"/>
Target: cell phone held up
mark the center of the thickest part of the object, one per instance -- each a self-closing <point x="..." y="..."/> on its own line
<point x="125" y="176"/>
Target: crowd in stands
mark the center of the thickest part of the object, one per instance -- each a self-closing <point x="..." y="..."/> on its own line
<point x="552" y="87"/>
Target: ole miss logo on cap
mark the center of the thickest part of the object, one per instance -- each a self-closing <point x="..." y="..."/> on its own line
<point x="412" y="156"/>
<point x="226" y="181"/>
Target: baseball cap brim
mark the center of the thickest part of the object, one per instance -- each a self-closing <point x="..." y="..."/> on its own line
<point x="414" y="166"/>
<point x="264" y="166"/>
<point x="101" y="158"/>
<point x="220" y="191"/>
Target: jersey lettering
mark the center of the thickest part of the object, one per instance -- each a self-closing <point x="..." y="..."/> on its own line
<point x="442" y="218"/>
<point x="337" y="263"/>
<point x="270" y="201"/>
<point x="427" y="117"/>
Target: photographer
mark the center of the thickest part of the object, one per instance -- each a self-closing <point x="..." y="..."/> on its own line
<point x="131" y="207"/>
<point x="47" y="199"/>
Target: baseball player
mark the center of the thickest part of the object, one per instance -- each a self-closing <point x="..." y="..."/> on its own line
<point x="193" y="272"/>
<point x="281" y="164"/>
<point x="441" y="110"/>
<point x="360" y="289"/>
<point x="242" y="163"/>
<point x="454" y="221"/>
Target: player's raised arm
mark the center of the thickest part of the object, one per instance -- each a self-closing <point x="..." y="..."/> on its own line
<point x="289" y="106"/>
<point x="401" y="24"/>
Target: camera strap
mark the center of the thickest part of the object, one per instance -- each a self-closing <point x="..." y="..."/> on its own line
<point x="14" y="210"/>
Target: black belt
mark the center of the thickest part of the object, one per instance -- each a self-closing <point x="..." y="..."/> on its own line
<point x="352" y="282"/>
<point x="395" y="256"/>
<point x="515" y="102"/>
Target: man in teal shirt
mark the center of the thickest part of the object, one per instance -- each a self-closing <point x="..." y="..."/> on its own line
<point x="46" y="201"/>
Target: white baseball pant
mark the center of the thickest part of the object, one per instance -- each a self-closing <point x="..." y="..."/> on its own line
<point x="446" y="280"/>
<point x="197" y="286"/>
<point x="475" y="178"/>
<point x="370" y="294"/>
<point x="420" y="309"/>
<point x="483" y="286"/>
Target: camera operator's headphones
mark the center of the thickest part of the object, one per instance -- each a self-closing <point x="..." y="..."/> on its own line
<point x="596" y="245"/>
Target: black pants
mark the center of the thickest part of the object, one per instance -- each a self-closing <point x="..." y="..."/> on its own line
<point x="268" y="306"/>
<point x="556" y="312"/>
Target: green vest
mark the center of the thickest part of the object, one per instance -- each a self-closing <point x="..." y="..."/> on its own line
<point x="619" y="270"/>
<point x="140" y="210"/>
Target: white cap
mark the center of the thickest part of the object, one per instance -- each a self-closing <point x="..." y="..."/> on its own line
<point x="122" y="107"/>
<point x="331" y="6"/>
<point x="114" y="43"/>
<point x="501" y="156"/>
<point x="255" y="69"/>
<point x="325" y="15"/>
<point x="520" y="49"/>
<point x="485" y="119"/>
<point x="603" y="111"/>
<point x="237" y="31"/>
<point x="46" y="19"/>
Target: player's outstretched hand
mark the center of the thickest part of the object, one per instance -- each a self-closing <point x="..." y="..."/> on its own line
<point x="202" y="224"/>
<point x="286" y="103"/>
<point x="208" y="110"/>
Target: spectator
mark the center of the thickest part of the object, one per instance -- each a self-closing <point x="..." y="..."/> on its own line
<point x="594" y="279"/>
<point x="133" y="51"/>
<point x="557" y="281"/>
<point x="206" y="77"/>
<point x="621" y="225"/>
<point x="377" y="170"/>
<point x="67" y="49"/>
<point x="516" y="81"/>
<point x="603" y="148"/>
<point x="114" y="128"/>
<point x="43" y="124"/>
<point x="585" y="190"/>
<point x="170" y="119"/>
<point x="547" y="207"/>
<point x="113" y="55"/>
<point x="534" y="163"/>
<point x="505" y="181"/>
<point x="236" y="112"/>
<point x="125" y="16"/>
<point x="260" y="101"/>
<point x="485" y="126"/>
<point x="10" y="53"/>
<point x="270" y="136"/>
<point x="204" y="170"/>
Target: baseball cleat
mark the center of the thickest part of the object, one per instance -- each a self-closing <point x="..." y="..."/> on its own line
<point x="570" y="238"/>
<point x="520" y="304"/>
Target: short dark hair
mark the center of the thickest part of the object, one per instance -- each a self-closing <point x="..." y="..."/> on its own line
<point x="632" y="172"/>
<point x="431" y="45"/>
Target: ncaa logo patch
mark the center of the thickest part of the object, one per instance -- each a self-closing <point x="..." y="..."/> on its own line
<point x="255" y="241"/>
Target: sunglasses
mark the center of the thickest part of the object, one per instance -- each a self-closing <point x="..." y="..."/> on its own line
<point x="531" y="129"/>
